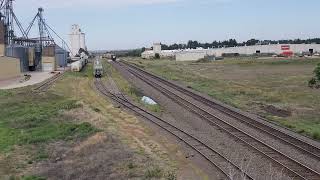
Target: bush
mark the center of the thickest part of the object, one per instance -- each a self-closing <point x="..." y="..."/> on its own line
<point x="317" y="72"/>
<point x="315" y="81"/>
<point x="152" y="173"/>
<point x="157" y="56"/>
<point x="316" y="135"/>
<point x="312" y="82"/>
<point x="33" y="178"/>
<point x="171" y="176"/>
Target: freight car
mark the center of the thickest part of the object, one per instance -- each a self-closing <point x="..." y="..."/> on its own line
<point x="76" y="66"/>
<point x="97" y="69"/>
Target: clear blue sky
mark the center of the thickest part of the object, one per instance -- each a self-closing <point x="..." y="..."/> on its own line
<point x="123" y="24"/>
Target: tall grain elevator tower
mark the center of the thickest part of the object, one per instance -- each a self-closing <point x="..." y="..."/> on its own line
<point x="77" y="40"/>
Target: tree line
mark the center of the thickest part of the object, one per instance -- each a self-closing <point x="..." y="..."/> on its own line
<point x="233" y="43"/>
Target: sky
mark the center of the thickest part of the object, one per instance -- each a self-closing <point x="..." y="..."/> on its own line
<point x="128" y="24"/>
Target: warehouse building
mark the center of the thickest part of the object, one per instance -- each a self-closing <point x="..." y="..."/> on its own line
<point x="9" y="67"/>
<point x="272" y="49"/>
<point x="149" y="54"/>
<point x="190" y="55"/>
<point x="61" y="57"/>
<point x="277" y="49"/>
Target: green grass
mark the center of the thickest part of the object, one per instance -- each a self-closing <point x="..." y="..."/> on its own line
<point x="33" y="178"/>
<point x="130" y="90"/>
<point x="250" y="84"/>
<point x="153" y="173"/>
<point x="87" y="71"/>
<point x="28" y="118"/>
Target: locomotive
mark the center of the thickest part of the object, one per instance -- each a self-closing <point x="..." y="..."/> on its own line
<point x="97" y="69"/>
<point x="113" y="57"/>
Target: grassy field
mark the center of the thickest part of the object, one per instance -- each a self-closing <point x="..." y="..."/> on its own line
<point x="130" y="90"/>
<point x="273" y="88"/>
<point x="29" y="122"/>
<point x="72" y="120"/>
<point x="28" y="118"/>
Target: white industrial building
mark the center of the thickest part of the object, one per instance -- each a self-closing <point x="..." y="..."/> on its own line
<point x="268" y="49"/>
<point x="196" y="54"/>
<point x="148" y="54"/>
<point x="191" y="55"/>
<point x="77" y="40"/>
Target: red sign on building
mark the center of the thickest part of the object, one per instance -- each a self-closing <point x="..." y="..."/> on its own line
<point x="285" y="47"/>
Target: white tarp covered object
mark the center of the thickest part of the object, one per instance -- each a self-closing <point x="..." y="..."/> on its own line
<point x="148" y="100"/>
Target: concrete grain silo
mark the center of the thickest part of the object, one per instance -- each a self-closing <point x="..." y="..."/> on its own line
<point x="77" y="40"/>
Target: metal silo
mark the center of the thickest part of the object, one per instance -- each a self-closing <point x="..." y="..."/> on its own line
<point x="61" y="57"/>
<point x="21" y="52"/>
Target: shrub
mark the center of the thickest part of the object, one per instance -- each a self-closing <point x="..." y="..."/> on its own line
<point x="157" y="56"/>
<point x="315" y="81"/>
<point x="312" y="82"/>
<point x="171" y="176"/>
<point x="317" y="72"/>
<point x="316" y="135"/>
<point x="33" y="178"/>
<point x="155" y="172"/>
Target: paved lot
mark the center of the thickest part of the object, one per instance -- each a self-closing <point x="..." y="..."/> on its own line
<point x="36" y="77"/>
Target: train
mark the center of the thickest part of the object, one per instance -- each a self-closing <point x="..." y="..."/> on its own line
<point x="97" y="69"/>
<point x="80" y="63"/>
<point x="113" y="57"/>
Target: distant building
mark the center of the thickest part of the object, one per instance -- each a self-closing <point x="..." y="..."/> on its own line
<point x="197" y="54"/>
<point x="157" y="48"/>
<point x="277" y="49"/>
<point x="272" y="49"/>
<point x="149" y="54"/>
<point x="190" y="55"/>
<point x="77" y="40"/>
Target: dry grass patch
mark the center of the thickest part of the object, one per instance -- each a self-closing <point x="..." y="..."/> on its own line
<point x="253" y="85"/>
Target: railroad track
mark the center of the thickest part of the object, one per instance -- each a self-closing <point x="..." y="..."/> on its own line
<point x="44" y="86"/>
<point x="228" y="169"/>
<point x="275" y="133"/>
<point x="292" y="167"/>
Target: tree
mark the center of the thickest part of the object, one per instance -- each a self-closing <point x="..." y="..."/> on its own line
<point x="252" y="42"/>
<point x="193" y="44"/>
<point x="164" y="47"/>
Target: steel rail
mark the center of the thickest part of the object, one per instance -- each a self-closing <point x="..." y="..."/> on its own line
<point x="174" y="131"/>
<point x="294" y="167"/>
<point x="276" y="133"/>
<point x="46" y="84"/>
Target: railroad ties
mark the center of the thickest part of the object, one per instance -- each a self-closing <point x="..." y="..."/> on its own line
<point x="292" y="167"/>
<point x="228" y="169"/>
<point x="44" y="86"/>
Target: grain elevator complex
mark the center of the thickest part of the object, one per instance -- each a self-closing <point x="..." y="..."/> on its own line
<point x="21" y="54"/>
